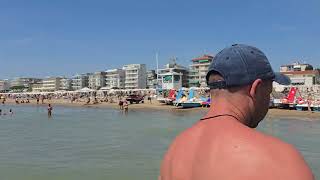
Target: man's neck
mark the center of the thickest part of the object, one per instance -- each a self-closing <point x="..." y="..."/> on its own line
<point x="223" y="106"/>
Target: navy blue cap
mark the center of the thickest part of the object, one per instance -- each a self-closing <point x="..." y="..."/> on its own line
<point x="241" y="65"/>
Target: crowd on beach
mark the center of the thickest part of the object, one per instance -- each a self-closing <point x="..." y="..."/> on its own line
<point x="117" y="97"/>
<point x="82" y="98"/>
<point x="73" y="97"/>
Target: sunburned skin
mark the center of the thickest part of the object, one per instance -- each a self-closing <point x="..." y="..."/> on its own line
<point x="222" y="148"/>
<point x="226" y="146"/>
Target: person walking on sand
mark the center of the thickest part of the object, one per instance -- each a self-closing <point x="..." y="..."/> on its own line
<point x="149" y="99"/>
<point x="42" y="99"/>
<point x="50" y="108"/>
<point x="224" y="144"/>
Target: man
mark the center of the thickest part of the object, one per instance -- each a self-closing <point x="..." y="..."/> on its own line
<point x="223" y="145"/>
<point x="50" y="108"/>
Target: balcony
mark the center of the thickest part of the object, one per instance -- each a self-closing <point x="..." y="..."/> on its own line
<point x="131" y="82"/>
<point x="131" y="72"/>
<point x="199" y="64"/>
<point x="193" y="75"/>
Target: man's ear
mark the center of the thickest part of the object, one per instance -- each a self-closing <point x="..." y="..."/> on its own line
<point x="254" y="87"/>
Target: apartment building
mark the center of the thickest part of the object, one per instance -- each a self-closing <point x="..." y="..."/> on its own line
<point x="136" y="76"/>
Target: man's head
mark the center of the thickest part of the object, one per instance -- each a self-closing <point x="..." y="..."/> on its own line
<point x="243" y="76"/>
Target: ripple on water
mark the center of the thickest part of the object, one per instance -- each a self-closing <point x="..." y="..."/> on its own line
<point x="90" y="143"/>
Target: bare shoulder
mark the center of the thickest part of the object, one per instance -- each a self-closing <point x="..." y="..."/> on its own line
<point x="284" y="159"/>
<point x="177" y="151"/>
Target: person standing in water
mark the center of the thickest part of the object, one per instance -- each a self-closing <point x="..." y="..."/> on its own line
<point x="50" y="110"/>
<point x="11" y="112"/>
<point x="121" y="104"/>
<point x="125" y="106"/>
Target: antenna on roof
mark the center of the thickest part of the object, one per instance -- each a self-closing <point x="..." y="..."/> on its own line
<point x="157" y="61"/>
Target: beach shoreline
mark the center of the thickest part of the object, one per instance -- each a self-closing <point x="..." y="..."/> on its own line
<point x="147" y="106"/>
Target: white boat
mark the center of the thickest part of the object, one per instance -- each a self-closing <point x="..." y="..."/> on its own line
<point x="302" y="107"/>
<point x="162" y="100"/>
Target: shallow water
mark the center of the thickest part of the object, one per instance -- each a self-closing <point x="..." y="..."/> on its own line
<point x="92" y="143"/>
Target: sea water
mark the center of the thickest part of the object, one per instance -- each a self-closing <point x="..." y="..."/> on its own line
<point x="93" y="143"/>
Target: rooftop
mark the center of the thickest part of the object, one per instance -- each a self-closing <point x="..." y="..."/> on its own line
<point x="204" y="57"/>
<point x="302" y="72"/>
<point x="295" y="64"/>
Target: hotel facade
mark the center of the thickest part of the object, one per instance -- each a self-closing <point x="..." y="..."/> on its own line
<point x="115" y="79"/>
<point x="136" y="76"/>
<point x="301" y="74"/>
<point x="198" y="71"/>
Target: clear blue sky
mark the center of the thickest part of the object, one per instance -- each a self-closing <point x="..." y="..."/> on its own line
<point x="63" y="37"/>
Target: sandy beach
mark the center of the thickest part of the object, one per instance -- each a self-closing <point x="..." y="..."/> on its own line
<point x="147" y="106"/>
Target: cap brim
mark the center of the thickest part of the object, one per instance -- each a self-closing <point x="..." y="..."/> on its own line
<point x="282" y="79"/>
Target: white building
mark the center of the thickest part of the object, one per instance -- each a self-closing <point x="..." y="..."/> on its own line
<point x="173" y="75"/>
<point x="4" y="85"/>
<point x="136" y="76"/>
<point x="296" y="66"/>
<point x="171" y="80"/>
<point x="97" y="80"/>
<point x="49" y="84"/>
<point x="152" y="79"/>
<point x="37" y="87"/>
<point x="301" y="74"/>
<point x="80" y="81"/>
<point x="198" y="71"/>
<point x="115" y="78"/>
<point x="25" y="82"/>
<point x="65" y="84"/>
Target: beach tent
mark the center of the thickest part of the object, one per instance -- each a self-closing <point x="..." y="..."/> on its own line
<point x="85" y="90"/>
<point x="100" y="93"/>
<point x="105" y="89"/>
<point x="60" y="92"/>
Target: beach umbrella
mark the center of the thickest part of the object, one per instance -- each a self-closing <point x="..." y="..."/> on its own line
<point x="85" y="90"/>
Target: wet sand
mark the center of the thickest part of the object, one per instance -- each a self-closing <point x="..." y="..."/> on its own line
<point x="147" y="106"/>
